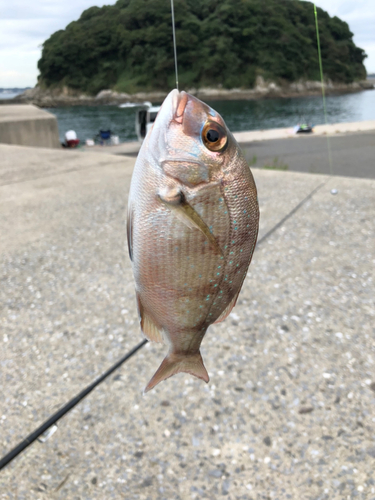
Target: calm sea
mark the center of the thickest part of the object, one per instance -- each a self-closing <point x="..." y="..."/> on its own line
<point x="4" y="94"/>
<point x="238" y="115"/>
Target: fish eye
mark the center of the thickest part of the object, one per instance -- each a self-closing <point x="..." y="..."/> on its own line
<point x="214" y="137"/>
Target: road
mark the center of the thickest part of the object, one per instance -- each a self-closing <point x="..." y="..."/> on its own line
<point x="353" y="155"/>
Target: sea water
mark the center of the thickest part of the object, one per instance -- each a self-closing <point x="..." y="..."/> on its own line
<point x="238" y="115"/>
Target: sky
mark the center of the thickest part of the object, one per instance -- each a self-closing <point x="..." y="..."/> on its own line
<point x="25" y="25"/>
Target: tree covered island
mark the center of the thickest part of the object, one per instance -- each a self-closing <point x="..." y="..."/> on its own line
<point x="128" y="47"/>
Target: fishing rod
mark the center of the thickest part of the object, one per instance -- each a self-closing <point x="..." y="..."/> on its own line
<point x="31" y="438"/>
<point x="64" y="410"/>
<point x="73" y="402"/>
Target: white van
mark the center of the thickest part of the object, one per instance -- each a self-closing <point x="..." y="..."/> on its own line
<point x="144" y="118"/>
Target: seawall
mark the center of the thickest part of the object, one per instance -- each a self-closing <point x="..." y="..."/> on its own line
<point x="59" y="97"/>
<point x="27" y="125"/>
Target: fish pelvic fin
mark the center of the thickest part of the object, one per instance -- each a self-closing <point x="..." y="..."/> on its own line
<point x="175" y="363"/>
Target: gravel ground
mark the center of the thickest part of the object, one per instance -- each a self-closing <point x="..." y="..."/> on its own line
<point x="290" y="408"/>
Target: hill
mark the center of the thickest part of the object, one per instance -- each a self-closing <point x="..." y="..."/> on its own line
<point x="128" y="46"/>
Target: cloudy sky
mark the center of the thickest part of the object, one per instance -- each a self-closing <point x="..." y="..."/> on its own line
<point x="25" y="24"/>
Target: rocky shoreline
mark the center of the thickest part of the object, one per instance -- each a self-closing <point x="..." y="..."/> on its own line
<point x="47" y="98"/>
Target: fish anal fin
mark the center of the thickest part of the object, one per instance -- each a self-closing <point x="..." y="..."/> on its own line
<point x="175" y="363"/>
<point x="150" y="330"/>
<point x="228" y="309"/>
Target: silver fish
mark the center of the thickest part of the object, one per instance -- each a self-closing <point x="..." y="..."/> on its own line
<point x="192" y="226"/>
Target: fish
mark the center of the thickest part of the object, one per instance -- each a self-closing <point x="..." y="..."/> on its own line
<point x="192" y="226"/>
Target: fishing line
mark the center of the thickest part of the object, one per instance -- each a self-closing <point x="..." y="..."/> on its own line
<point x="174" y="43"/>
<point x="73" y="402"/>
<point x="333" y="191"/>
<point x="289" y="214"/>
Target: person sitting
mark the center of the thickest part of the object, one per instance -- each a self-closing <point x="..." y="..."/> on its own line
<point x="71" y="140"/>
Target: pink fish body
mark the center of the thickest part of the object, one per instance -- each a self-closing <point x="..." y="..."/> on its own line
<point x="192" y="227"/>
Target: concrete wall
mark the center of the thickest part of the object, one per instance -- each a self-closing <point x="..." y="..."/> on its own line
<point x="27" y="125"/>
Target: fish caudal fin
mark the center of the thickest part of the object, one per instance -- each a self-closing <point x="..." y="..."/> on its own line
<point x="176" y="363"/>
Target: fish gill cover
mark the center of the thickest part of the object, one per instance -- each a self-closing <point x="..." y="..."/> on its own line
<point x="128" y="46"/>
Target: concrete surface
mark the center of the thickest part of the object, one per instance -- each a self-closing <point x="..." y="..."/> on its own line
<point x="287" y="133"/>
<point x="352" y="152"/>
<point x="244" y="138"/>
<point x="353" y="155"/>
<point x="130" y="148"/>
<point x="27" y="125"/>
<point x="289" y="412"/>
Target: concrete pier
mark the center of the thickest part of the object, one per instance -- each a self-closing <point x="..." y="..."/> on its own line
<point x="289" y="411"/>
<point x="331" y="129"/>
<point x="352" y="148"/>
<point x="27" y="125"/>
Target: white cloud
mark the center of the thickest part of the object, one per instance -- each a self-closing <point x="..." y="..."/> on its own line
<point x="360" y="15"/>
<point x="25" y="25"/>
<point x="18" y="68"/>
<point x="370" y="61"/>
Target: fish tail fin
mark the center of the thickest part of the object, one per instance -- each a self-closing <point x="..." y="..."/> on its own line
<point x="175" y="363"/>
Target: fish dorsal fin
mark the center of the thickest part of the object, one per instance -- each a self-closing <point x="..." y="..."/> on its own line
<point x="150" y="330"/>
<point x="175" y="363"/>
<point x="175" y="200"/>
<point x="228" y="309"/>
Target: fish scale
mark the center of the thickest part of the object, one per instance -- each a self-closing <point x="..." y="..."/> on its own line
<point x="192" y="227"/>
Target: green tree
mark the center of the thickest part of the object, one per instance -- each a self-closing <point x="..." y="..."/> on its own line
<point x="128" y="46"/>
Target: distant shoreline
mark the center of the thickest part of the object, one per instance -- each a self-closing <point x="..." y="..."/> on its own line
<point x="263" y="90"/>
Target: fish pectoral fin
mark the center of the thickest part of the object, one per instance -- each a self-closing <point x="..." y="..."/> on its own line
<point x="228" y="309"/>
<point x="175" y="363"/>
<point x="175" y="200"/>
<point x="150" y="330"/>
<point x="129" y="231"/>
